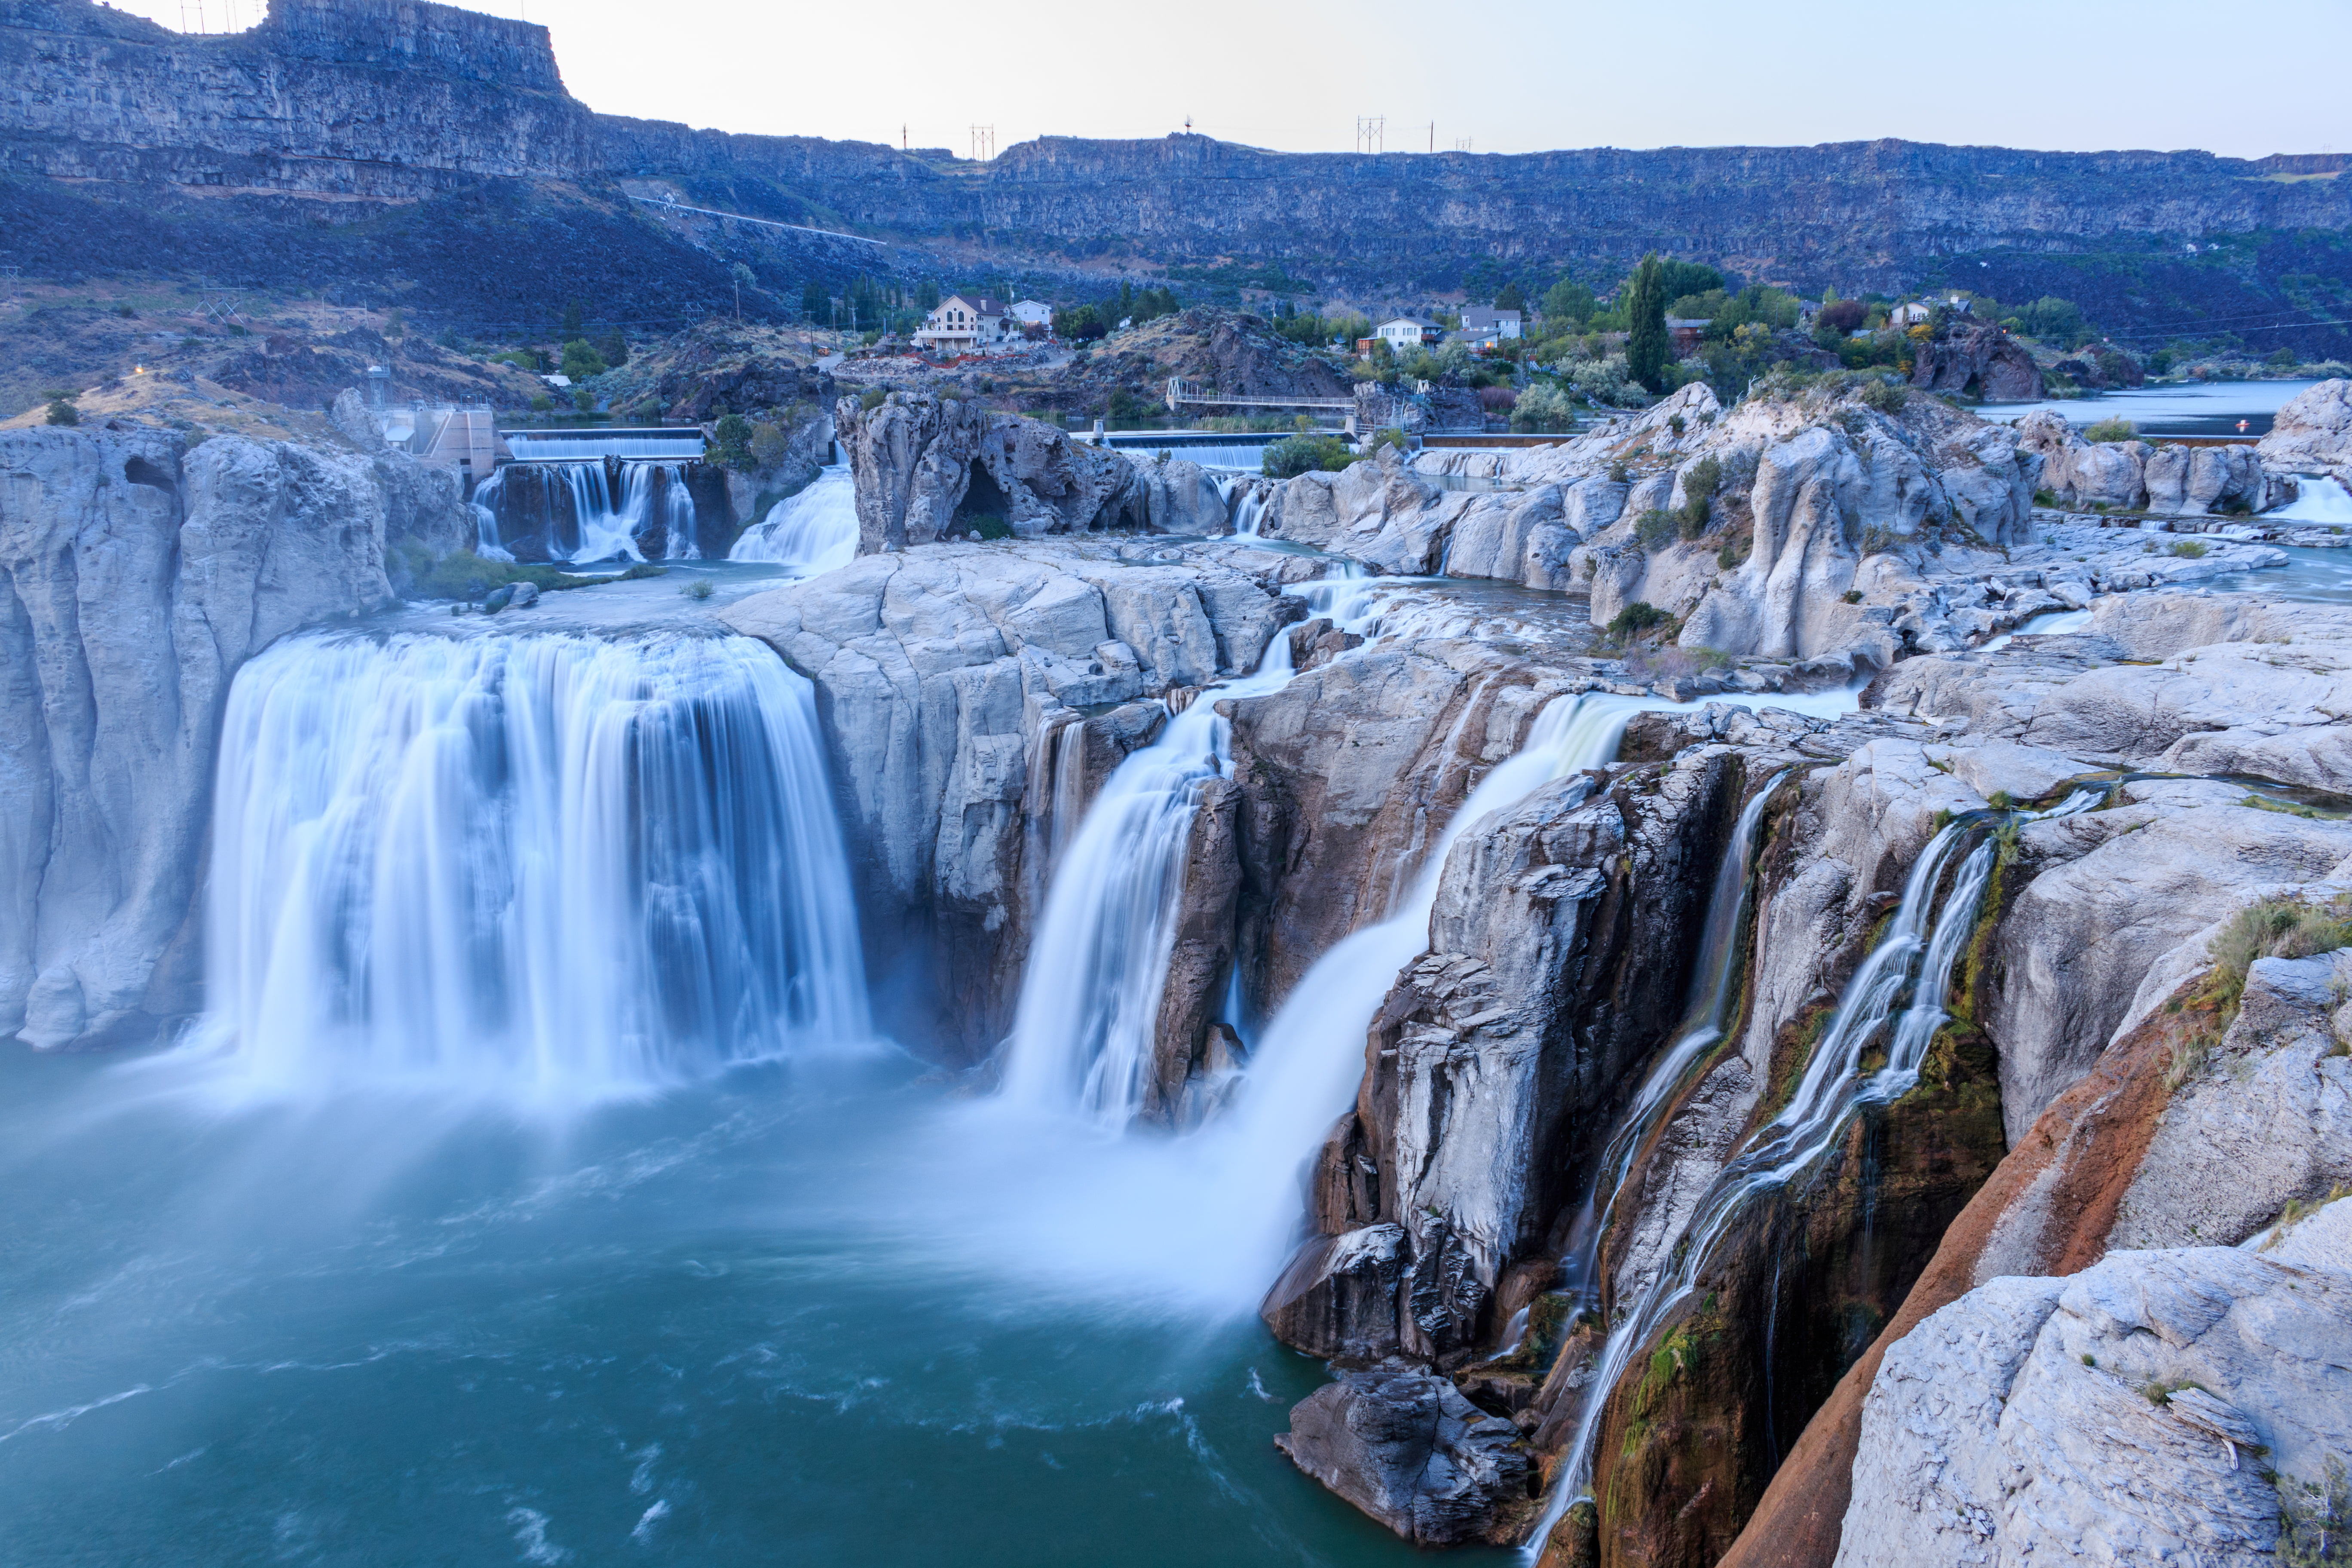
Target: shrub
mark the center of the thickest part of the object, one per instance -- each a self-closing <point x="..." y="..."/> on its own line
<point x="2045" y="498"/>
<point x="542" y="404"/>
<point x="1886" y="396"/>
<point x="769" y="443"/>
<point x="1656" y="529"/>
<point x="2117" y="429"/>
<point x="1296" y="455"/>
<point x="1700" y="482"/>
<point x="873" y="397"/>
<point x="581" y="360"/>
<point x="1636" y="618"/>
<point x="2316" y="1519"/>
<point x="700" y="588"/>
<point x="1541" y="407"/>
<point x="2193" y="548"/>
<point x="643" y="570"/>
<point x="63" y="413"/>
<point x="462" y="574"/>
<point x="730" y="441"/>
<point x="583" y="400"/>
<point x="124" y="310"/>
<point x="1853" y="595"/>
<point x="2280" y="926"/>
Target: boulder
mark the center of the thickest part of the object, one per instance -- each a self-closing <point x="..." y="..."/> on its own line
<point x="925" y="467"/>
<point x="1177" y="496"/>
<point x="1971" y="358"/>
<point x="2312" y="432"/>
<point x="2133" y="476"/>
<point x="1406" y="1447"/>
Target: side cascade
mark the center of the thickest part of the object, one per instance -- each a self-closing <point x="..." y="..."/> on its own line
<point x="1084" y="1027"/>
<point x="811" y="532"/>
<point x="593" y="510"/>
<point x="543" y="864"/>
<point x="1897" y="996"/>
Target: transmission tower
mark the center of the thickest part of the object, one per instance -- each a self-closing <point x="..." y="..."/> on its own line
<point x="1370" y="129"/>
<point x="984" y="143"/>
<point x="1462" y="145"/>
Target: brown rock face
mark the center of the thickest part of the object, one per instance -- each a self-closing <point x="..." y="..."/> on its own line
<point x="1977" y="359"/>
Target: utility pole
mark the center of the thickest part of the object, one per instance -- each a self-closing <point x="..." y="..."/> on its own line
<point x="984" y="143"/>
<point x="1432" y="135"/>
<point x="902" y="136"/>
<point x="1370" y="129"/>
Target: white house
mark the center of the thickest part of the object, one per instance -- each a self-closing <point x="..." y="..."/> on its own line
<point x="1406" y="333"/>
<point x="962" y="326"/>
<point x="1480" y="321"/>
<point x="1915" y="312"/>
<point x="1033" y="313"/>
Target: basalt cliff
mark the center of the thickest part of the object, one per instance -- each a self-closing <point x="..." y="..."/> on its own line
<point x="427" y="114"/>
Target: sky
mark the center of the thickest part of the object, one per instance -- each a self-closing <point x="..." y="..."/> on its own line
<point x="1503" y="76"/>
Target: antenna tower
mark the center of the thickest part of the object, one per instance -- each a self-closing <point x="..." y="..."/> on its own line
<point x="984" y="143"/>
<point x="1371" y="130"/>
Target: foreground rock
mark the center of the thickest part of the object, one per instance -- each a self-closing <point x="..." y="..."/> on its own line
<point x="2312" y="432"/>
<point x="2135" y="1413"/>
<point x="136" y="573"/>
<point x="1970" y="358"/>
<point x="1408" y="1450"/>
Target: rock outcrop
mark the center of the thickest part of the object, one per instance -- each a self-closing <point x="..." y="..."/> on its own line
<point x="1410" y="1450"/>
<point x="1970" y="358"/>
<point x="2312" y="432"/>
<point x="930" y="469"/>
<point x="136" y="573"/>
<point x="2134" y="1412"/>
<point x="2134" y="475"/>
<point x="936" y="671"/>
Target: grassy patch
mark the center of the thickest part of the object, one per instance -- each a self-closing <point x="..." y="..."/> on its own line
<point x="462" y="574"/>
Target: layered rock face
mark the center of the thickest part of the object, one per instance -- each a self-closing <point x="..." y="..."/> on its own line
<point x="351" y="97"/>
<point x="940" y="675"/>
<point x="2134" y="475"/>
<point x="2312" y="432"/>
<point x="136" y="573"/>
<point x="928" y="468"/>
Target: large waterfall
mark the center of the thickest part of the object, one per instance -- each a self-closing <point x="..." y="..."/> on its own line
<point x="541" y="863"/>
<point x="813" y="531"/>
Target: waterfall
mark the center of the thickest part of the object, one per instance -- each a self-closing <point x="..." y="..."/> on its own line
<point x="1083" y="1028"/>
<point x="591" y="515"/>
<point x="541" y="863"/>
<point x="1913" y="957"/>
<point x="1307" y="1064"/>
<point x="1710" y="996"/>
<point x="682" y="443"/>
<point x="811" y="532"/>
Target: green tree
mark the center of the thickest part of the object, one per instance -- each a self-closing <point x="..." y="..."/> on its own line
<point x="573" y="323"/>
<point x="816" y="305"/>
<point x="614" y="347"/>
<point x="583" y="400"/>
<point x="582" y="361"/>
<point x="1647" y="349"/>
<point x="927" y="294"/>
<point x="1509" y="298"/>
<point x="730" y="441"/>
<point x="1567" y="300"/>
<point x="63" y="413"/>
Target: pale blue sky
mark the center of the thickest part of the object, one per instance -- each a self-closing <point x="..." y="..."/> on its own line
<point x="1510" y="75"/>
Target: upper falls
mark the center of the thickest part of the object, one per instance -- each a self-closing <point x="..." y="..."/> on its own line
<point x="539" y="862"/>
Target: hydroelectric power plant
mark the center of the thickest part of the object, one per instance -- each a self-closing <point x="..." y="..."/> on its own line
<point x="678" y="884"/>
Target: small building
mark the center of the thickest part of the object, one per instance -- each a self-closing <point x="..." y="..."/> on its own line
<point x="1918" y="312"/>
<point x="1407" y="332"/>
<point x="958" y="325"/>
<point x="1688" y="332"/>
<point x="1483" y="321"/>
<point x="1029" y="313"/>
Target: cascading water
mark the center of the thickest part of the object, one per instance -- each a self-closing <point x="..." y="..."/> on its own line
<point x="1915" y="958"/>
<point x="1710" y="997"/>
<point x="1084" y="1027"/>
<point x="605" y="519"/>
<point x="811" y="532"/>
<point x="539" y="863"/>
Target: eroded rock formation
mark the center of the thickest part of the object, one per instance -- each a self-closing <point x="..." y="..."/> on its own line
<point x="928" y="469"/>
<point x="2134" y="475"/>
<point x="136" y="573"/>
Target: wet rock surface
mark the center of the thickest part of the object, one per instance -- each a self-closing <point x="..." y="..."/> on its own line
<point x="1407" y="1448"/>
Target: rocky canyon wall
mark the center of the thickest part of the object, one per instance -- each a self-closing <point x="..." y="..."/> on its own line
<point x="137" y="572"/>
